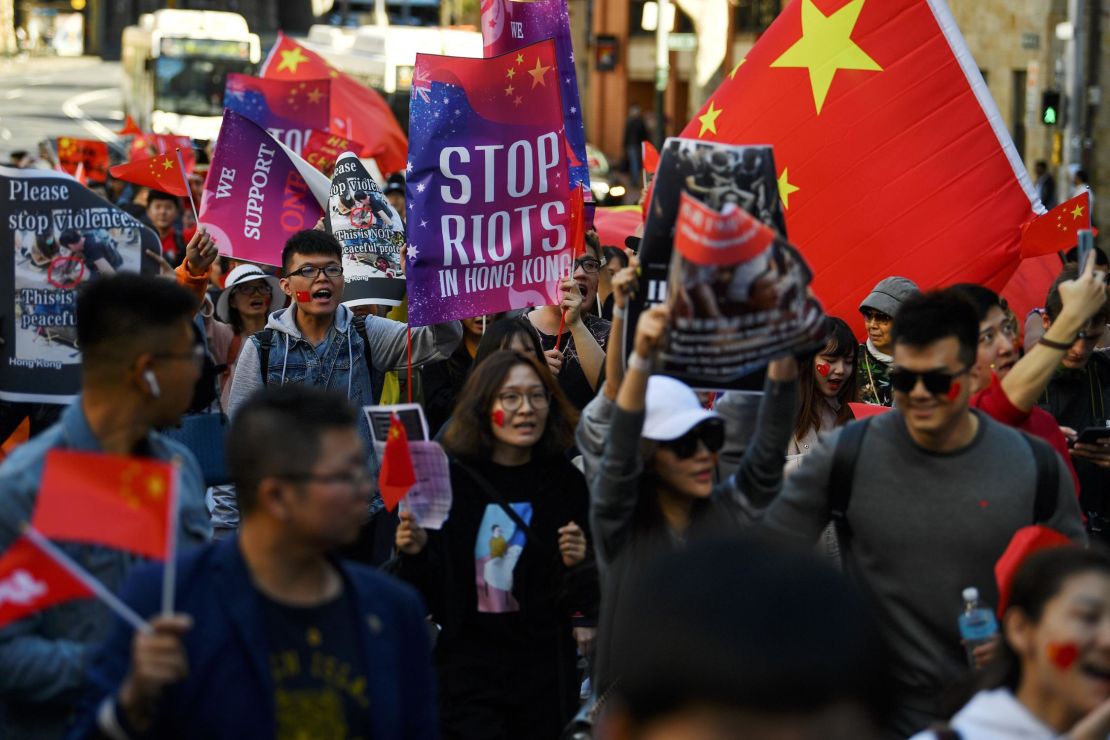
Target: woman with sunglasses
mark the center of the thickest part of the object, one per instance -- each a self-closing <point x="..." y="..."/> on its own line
<point x="582" y="343"/>
<point x="825" y="386"/>
<point x="655" y="488"/>
<point x="1051" y="678"/>
<point x="509" y="569"/>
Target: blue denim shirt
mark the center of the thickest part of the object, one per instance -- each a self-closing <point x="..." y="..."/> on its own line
<point x="42" y="657"/>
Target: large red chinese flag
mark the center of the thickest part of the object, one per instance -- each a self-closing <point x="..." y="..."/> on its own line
<point x="31" y="581"/>
<point x="397" y="475"/>
<point x="892" y="157"/>
<point x="109" y="500"/>
<point x="357" y="112"/>
<point x="160" y="173"/>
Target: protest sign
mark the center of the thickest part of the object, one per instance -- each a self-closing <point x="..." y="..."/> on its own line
<point x="430" y="498"/>
<point x="715" y="176"/>
<point x="487" y="189"/>
<point x="258" y="193"/>
<point x="737" y="294"/>
<point x="89" y="154"/>
<point x="60" y="235"/>
<point x="288" y="109"/>
<point x="509" y="25"/>
<point x="322" y="148"/>
<point x="371" y="234"/>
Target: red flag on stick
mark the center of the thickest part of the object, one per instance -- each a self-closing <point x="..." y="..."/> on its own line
<point x="357" y="112"/>
<point x="31" y="581"/>
<point x="1058" y="229"/>
<point x="397" y="476"/>
<point x="109" y="500"/>
<point x="161" y="173"/>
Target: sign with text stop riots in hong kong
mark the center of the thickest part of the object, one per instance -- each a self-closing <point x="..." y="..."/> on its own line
<point x="488" y="193"/>
<point x="258" y="193"/>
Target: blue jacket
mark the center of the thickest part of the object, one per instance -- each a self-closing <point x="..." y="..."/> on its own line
<point x="229" y="692"/>
<point x="42" y="656"/>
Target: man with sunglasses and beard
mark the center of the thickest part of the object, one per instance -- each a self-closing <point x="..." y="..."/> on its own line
<point x="927" y="500"/>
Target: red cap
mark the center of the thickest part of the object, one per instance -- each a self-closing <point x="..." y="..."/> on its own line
<point x="1025" y="542"/>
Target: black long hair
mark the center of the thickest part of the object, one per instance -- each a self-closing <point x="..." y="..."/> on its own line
<point x="839" y="342"/>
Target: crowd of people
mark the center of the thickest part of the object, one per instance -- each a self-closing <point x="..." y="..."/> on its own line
<point x="624" y="557"/>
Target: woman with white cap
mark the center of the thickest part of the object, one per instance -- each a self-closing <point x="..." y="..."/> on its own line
<point x="242" y="308"/>
<point x="655" y="488"/>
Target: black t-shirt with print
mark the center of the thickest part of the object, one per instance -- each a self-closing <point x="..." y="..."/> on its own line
<point x="318" y="670"/>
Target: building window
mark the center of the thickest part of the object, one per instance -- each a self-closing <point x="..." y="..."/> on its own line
<point x="754" y="16"/>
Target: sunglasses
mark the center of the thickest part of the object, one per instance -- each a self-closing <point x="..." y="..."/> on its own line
<point x="710" y="433"/>
<point x="937" y="382"/>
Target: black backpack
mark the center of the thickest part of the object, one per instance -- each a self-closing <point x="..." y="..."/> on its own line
<point x="377" y="377"/>
<point x="844" y="468"/>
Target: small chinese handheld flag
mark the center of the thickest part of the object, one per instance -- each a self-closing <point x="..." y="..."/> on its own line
<point x="109" y="500"/>
<point x="397" y="475"/>
<point x="130" y="128"/>
<point x="1058" y="229"/>
<point x="31" y="581"/>
<point x="322" y="148"/>
<point x="357" y="112"/>
<point x="160" y="173"/>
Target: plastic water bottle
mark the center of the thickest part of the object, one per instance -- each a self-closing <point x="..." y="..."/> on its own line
<point x="977" y="624"/>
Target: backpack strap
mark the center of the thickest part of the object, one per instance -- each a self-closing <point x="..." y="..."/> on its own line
<point x="847" y="451"/>
<point x="1048" y="480"/>
<point x="377" y="378"/>
<point x="265" y="342"/>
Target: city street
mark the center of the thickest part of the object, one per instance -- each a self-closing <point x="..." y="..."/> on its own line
<point x="49" y="97"/>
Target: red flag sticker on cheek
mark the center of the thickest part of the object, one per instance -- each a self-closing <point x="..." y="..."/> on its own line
<point x="1063" y="654"/>
<point x="498" y="417"/>
<point x="823" y="369"/>
<point x="303" y="296"/>
<point x="954" y="391"/>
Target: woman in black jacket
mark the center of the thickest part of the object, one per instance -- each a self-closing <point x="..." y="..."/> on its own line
<point x="509" y="570"/>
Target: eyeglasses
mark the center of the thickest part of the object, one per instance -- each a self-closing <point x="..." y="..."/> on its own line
<point x="710" y="433"/>
<point x="256" y="288"/>
<point x="876" y="316"/>
<point x="1089" y="336"/>
<point x="936" y="382"/>
<point x="589" y="265"/>
<point x="511" y="400"/>
<point x="309" y="272"/>
<point x="195" y="355"/>
<point x="358" y="477"/>
<point x="1006" y="329"/>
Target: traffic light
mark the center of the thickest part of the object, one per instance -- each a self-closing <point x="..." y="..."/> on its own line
<point x="1050" y="107"/>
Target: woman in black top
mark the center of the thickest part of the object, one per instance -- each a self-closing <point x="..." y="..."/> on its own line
<point x="509" y="569"/>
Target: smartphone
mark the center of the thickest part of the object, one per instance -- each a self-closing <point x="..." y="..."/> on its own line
<point x="1093" y="435"/>
<point x="1085" y="244"/>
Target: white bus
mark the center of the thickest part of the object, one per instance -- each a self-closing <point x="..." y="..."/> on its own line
<point x="175" y="65"/>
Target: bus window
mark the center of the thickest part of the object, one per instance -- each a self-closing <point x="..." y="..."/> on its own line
<point x="193" y="86"/>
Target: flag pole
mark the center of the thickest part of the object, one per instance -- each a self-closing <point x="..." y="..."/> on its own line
<point x="169" y="573"/>
<point x="188" y="187"/>
<point x="54" y="153"/>
<point x="102" y="592"/>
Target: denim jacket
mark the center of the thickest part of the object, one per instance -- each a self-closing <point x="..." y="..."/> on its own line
<point x="42" y="657"/>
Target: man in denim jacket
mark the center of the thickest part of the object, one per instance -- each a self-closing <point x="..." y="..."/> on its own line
<point x="139" y="366"/>
<point x="313" y="342"/>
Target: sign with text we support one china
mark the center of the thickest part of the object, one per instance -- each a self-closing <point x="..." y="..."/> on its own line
<point x="258" y="193"/>
<point x="288" y="109"/>
<point x="487" y="190"/>
<point x="508" y="25"/>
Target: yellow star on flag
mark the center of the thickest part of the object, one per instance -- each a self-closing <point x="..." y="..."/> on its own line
<point x="314" y="95"/>
<point x="167" y="164"/>
<point x="786" y="187"/>
<point x="520" y="59"/>
<point x="509" y="90"/>
<point x="290" y="59"/>
<point x="155" y="487"/>
<point x="826" y="46"/>
<point x="518" y="100"/>
<point x="709" y="119"/>
<point x="511" y="73"/>
<point x="1077" y="212"/>
<point x="732" y="74"/>
<point x="537" y="74"/>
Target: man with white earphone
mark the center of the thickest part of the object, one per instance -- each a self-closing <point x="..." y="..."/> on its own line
<point x="140" y="361"/>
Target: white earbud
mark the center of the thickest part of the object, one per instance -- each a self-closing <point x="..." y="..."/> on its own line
<point x="152" y="381"/>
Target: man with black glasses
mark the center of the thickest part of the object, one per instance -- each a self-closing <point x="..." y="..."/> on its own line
<point x="581" y="347"/>
<point x="1078" y="396"/>
<point x="926" y="499"/>
<point x="275" y="637"/>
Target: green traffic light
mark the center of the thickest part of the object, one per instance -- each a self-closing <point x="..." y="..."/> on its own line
<point x="1050" y="116"/>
